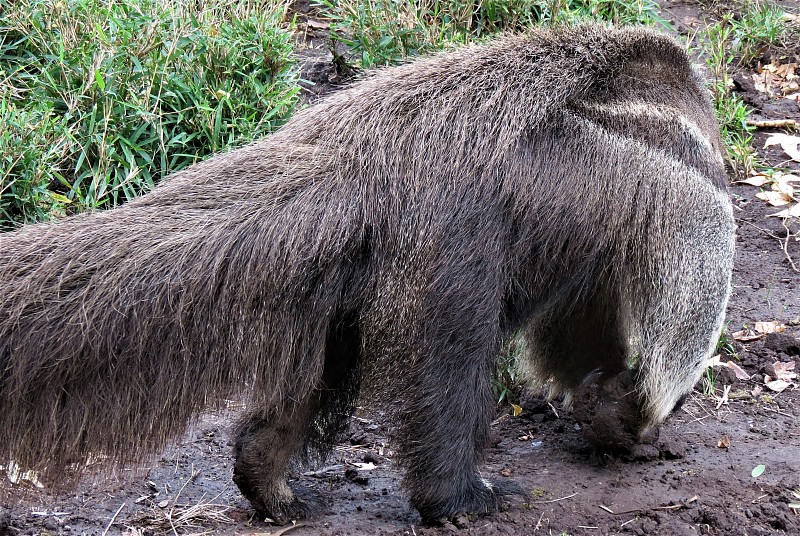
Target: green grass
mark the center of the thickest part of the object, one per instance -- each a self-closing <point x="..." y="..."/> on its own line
<point x="505" y="380"/>
<point x="736" y="41"/>
<point x="725" y="344"/>
<point x="99" y="99"/>
<point x="716" y="46"/>
<point x="760" y="25"/>
<point x="384" y="32"/>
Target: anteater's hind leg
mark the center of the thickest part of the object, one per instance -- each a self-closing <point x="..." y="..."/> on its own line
<point x="581" y="349"/>
<point x="268" y="440"/>
<point x="578" y="337"/>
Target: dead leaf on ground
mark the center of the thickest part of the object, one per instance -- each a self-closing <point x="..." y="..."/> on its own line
<point x="781" y="192"/>
<point x="784" y="376"/>
<point x="770" y="327"/>
<point x="791" y="212"/>
<point x="724" y="442"/>
<point x="777" y="79"/>
<point x="784" y="370"/>
<point x="716" y="361"/>
<point x="757" y="180"/>
<point x="317" y="24"/>
<point x="746" y="335"/>
<point x="776" y="385"/>
<point x="788" y="143"/>
<point x="737" y="371"/>
<point x="760" y="330"/>
<point x="776" y="199"/>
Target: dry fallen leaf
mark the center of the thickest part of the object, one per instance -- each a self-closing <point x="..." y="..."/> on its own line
<point x="776" y="385"/>
<point x="791" y="212"/>
<point x="784" y="374"/>
<point x="776" y="199"/>
<point x="787" y="71"/>
<point x="746" y="335"/>
<point x="770" y="327"/>
<point x="788" y="143"/>
<point x="783" y="370"/>
<point x="737" y="371"/>
<point x="776" y="79"/>
<point x="760" y="329"/>
<point x="724" y="442"/>
<point x="759" y="179"/>
<point x="783" y="186"/>
<point x="763" y="82"/>
<point x="317" y="24"/>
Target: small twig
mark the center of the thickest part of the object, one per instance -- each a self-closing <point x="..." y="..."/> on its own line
<point x="676" y="506"/>
<point x="539" y="523"/>
<point x="638" y="510"/>
<point x="773" y="123"/>
<point x="284" y="530"/>
<point x="319" y="473"/>
<point x="351" y="448"/>
<point x="784" y="242"/>
<point x="785" y="247"/>
<point x="759" y="498"/>
<point x="192" y="476"/>
<point x="724" y="398"/>
<point x="685" y="408"/>
<point x="556" y="500"/>
<point x="765" y="231"/>
<point x="631" y="520"/>
<point x="121" y="506"/>
<point x="778" y="412"/>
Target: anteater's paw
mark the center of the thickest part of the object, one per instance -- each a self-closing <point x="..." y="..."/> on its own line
<point x="482" y="498"/>
<point x="280" y="509"/>
<point x="276" y="502"/>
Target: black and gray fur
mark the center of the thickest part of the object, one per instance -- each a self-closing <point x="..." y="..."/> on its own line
<point x="568" y="183"/>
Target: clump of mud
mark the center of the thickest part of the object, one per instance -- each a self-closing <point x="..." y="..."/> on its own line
<point x="608" y="411"/>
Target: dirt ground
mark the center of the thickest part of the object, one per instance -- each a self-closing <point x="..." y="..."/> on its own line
<point x="696" y="478"/>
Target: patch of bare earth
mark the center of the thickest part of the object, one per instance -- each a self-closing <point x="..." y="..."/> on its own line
<point x="695" y="477"/>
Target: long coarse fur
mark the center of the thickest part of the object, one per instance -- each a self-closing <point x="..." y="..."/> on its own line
<point x="567" y="182"/>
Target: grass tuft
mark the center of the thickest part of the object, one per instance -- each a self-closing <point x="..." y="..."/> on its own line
<point x="102" y="98"/>
<point x="384" y="32"/>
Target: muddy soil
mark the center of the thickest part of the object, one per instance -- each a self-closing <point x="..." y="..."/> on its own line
<point x="694" y="477"/>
